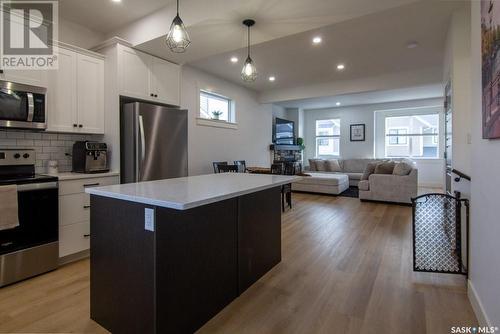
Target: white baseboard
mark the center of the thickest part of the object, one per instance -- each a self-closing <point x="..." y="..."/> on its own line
<point x="477" y="306"/>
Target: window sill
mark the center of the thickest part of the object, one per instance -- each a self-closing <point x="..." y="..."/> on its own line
<point x="216" y="123"/>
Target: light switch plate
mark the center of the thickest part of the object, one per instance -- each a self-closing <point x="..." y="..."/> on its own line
<point x="149" y="219"/>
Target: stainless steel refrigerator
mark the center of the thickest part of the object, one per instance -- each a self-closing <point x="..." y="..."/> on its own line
<point x="153" y="142"/>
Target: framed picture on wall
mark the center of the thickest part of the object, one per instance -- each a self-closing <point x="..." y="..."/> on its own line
<point x="357" y="132"/>
<point x="490" y="24"/>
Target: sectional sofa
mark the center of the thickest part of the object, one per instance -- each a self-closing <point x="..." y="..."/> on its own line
<point x="336" y="175"/>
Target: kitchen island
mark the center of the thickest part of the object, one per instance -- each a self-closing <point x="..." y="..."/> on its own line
<point x="168" y="255"/>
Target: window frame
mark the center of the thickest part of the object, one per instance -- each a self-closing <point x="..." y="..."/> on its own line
<point x="231" y="106"/>
<point x="407" y="129"/>
<point x="410" y="136"/>
<point x="319" y="137"/>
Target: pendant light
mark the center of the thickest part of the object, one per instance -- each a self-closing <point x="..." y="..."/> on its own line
<point x="249" y="71"/>
<point x="177" y="38"/>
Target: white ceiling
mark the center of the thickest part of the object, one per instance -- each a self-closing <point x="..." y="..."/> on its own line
<point x="105" y="15"/>
<point x="393" y="95"/>
<point x="371" y="45"/>
<point x="215" y="26"/>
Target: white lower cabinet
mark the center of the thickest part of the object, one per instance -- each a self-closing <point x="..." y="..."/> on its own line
<point x="74" y="212"/>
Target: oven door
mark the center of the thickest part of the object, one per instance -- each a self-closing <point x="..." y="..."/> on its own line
<point x="22" y="106"/>
<point x="38" y="218"/>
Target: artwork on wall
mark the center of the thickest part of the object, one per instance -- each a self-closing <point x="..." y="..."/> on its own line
<point x="357" y="132"/>
<point x="490" y="59"/>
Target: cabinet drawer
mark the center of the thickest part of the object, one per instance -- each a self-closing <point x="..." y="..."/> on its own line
<point x="78" y="186"/>
<point x="74" y="208"/>
<point x="74" y="238"/>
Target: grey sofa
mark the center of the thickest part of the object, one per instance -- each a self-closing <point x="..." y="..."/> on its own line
<point x="379" y="187"/>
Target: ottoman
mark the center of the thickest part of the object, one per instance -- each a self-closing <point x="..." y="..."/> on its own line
<point x="325" y="183"/>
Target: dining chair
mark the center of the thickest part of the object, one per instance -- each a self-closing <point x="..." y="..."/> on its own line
<point x="242" y="166"/>
<point x="216" y="165"/>
<point x="228" y="168"/>
<point x="286" y="189"/>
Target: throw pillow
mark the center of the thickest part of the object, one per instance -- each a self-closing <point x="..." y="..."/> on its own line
<point x="320" y="165"/>
<point x="402" y="168"/>
<point x="332" y="165"/>
<point x="312" y="165"/>
<point x="384" y="168"/>
<point x="369" y="170"/>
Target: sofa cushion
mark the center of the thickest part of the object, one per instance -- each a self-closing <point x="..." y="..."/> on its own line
<point x="312" y="164"/>
<point x="320" y="165"/>
<point x="364" y="185"/>
<point x="354" y="176"/>
<point x="384" y="168"/>
<point x="332" y="165"/>
<point x="369" y="170"/>
<point x="324" y="178"/>
<point x="402" y="168"/>
<point x="356" y="165"/>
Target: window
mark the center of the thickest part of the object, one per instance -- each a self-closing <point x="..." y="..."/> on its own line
<point x="216" y="107"/>
<point x="415" y="136"/>
<point x="328" y="137"/>
<point x="398" y="136"/>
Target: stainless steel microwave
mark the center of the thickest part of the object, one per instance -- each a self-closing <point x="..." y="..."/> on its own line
<point x="22" y="106"/>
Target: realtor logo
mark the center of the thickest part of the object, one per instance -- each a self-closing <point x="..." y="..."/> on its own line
<point x="28" y="31"/>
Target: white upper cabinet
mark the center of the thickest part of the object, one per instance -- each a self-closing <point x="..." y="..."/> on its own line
<point x="164" y="81"/>
<point x="61" y="94"/>
<point x="134" y="73"/>
<point x="147" y="77"/>
<point x="75" y="93"/>
<point x="27" y="77"/>
<point x="90" y="94"/>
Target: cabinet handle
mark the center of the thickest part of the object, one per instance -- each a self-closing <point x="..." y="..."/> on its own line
<point x="1" y="71"/>
<point x="86" y="206"/>
<point x="75" y="125"/>
<point x="90" y="185"/>
<point x="152" y="95"/>
<point x="156" y="95"/>
<point x="80" y="125"/>
<point x="86" y="235"/>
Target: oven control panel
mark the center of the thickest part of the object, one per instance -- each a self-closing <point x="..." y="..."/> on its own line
<point x="10" y="157"/>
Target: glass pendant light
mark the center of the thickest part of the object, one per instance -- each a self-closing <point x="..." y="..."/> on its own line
<point x="177" y="38"/>
<point x="249" y="71"/>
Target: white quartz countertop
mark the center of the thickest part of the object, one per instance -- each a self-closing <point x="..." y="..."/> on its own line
<point x="193" y="191"/>
<point x="78" y="176"/>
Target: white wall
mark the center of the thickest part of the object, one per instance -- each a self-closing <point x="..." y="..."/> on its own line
<point x="431" y="172"/>
<point x="249" y="142"/>
<point x="76" y="34"/>
<point x="484" y="282"/>
<point x="457" y="67"/>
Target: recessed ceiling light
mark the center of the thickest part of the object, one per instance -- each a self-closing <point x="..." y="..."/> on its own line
<point x="234" y="59"/>
<point x="337" y="104"/>
<point x="317" y="40"/>
<point x="272" y="78"/>
<point x="412" y="45"/>
<point x="340" y="67"/>
<point x="116" y="0"/>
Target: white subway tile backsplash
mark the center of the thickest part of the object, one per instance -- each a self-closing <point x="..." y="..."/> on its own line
<point x="33" y="135"/>
<point x="15" y="134"/>
<point x="49" y="136"/>
<point x="48" y="146"/>
<point x="28" y="143"/>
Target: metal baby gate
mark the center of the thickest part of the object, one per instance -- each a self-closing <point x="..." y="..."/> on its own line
<point x="438" y="234"/>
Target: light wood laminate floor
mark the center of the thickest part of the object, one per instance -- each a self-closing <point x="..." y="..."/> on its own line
<point x="346" y="268"/>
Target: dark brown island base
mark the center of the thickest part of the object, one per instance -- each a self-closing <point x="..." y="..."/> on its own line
<point x="159" y="269"/>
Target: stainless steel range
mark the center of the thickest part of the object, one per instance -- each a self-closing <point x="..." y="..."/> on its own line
<point x="31" y="247"/>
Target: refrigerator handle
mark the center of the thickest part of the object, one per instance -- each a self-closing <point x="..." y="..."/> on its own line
<point x="143" y="144"/>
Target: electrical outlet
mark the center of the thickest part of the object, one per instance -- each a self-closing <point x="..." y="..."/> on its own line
<point x="149" y="219"/>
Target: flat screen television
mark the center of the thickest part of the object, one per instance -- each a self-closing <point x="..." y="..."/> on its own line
<point x="283" y="131"/>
